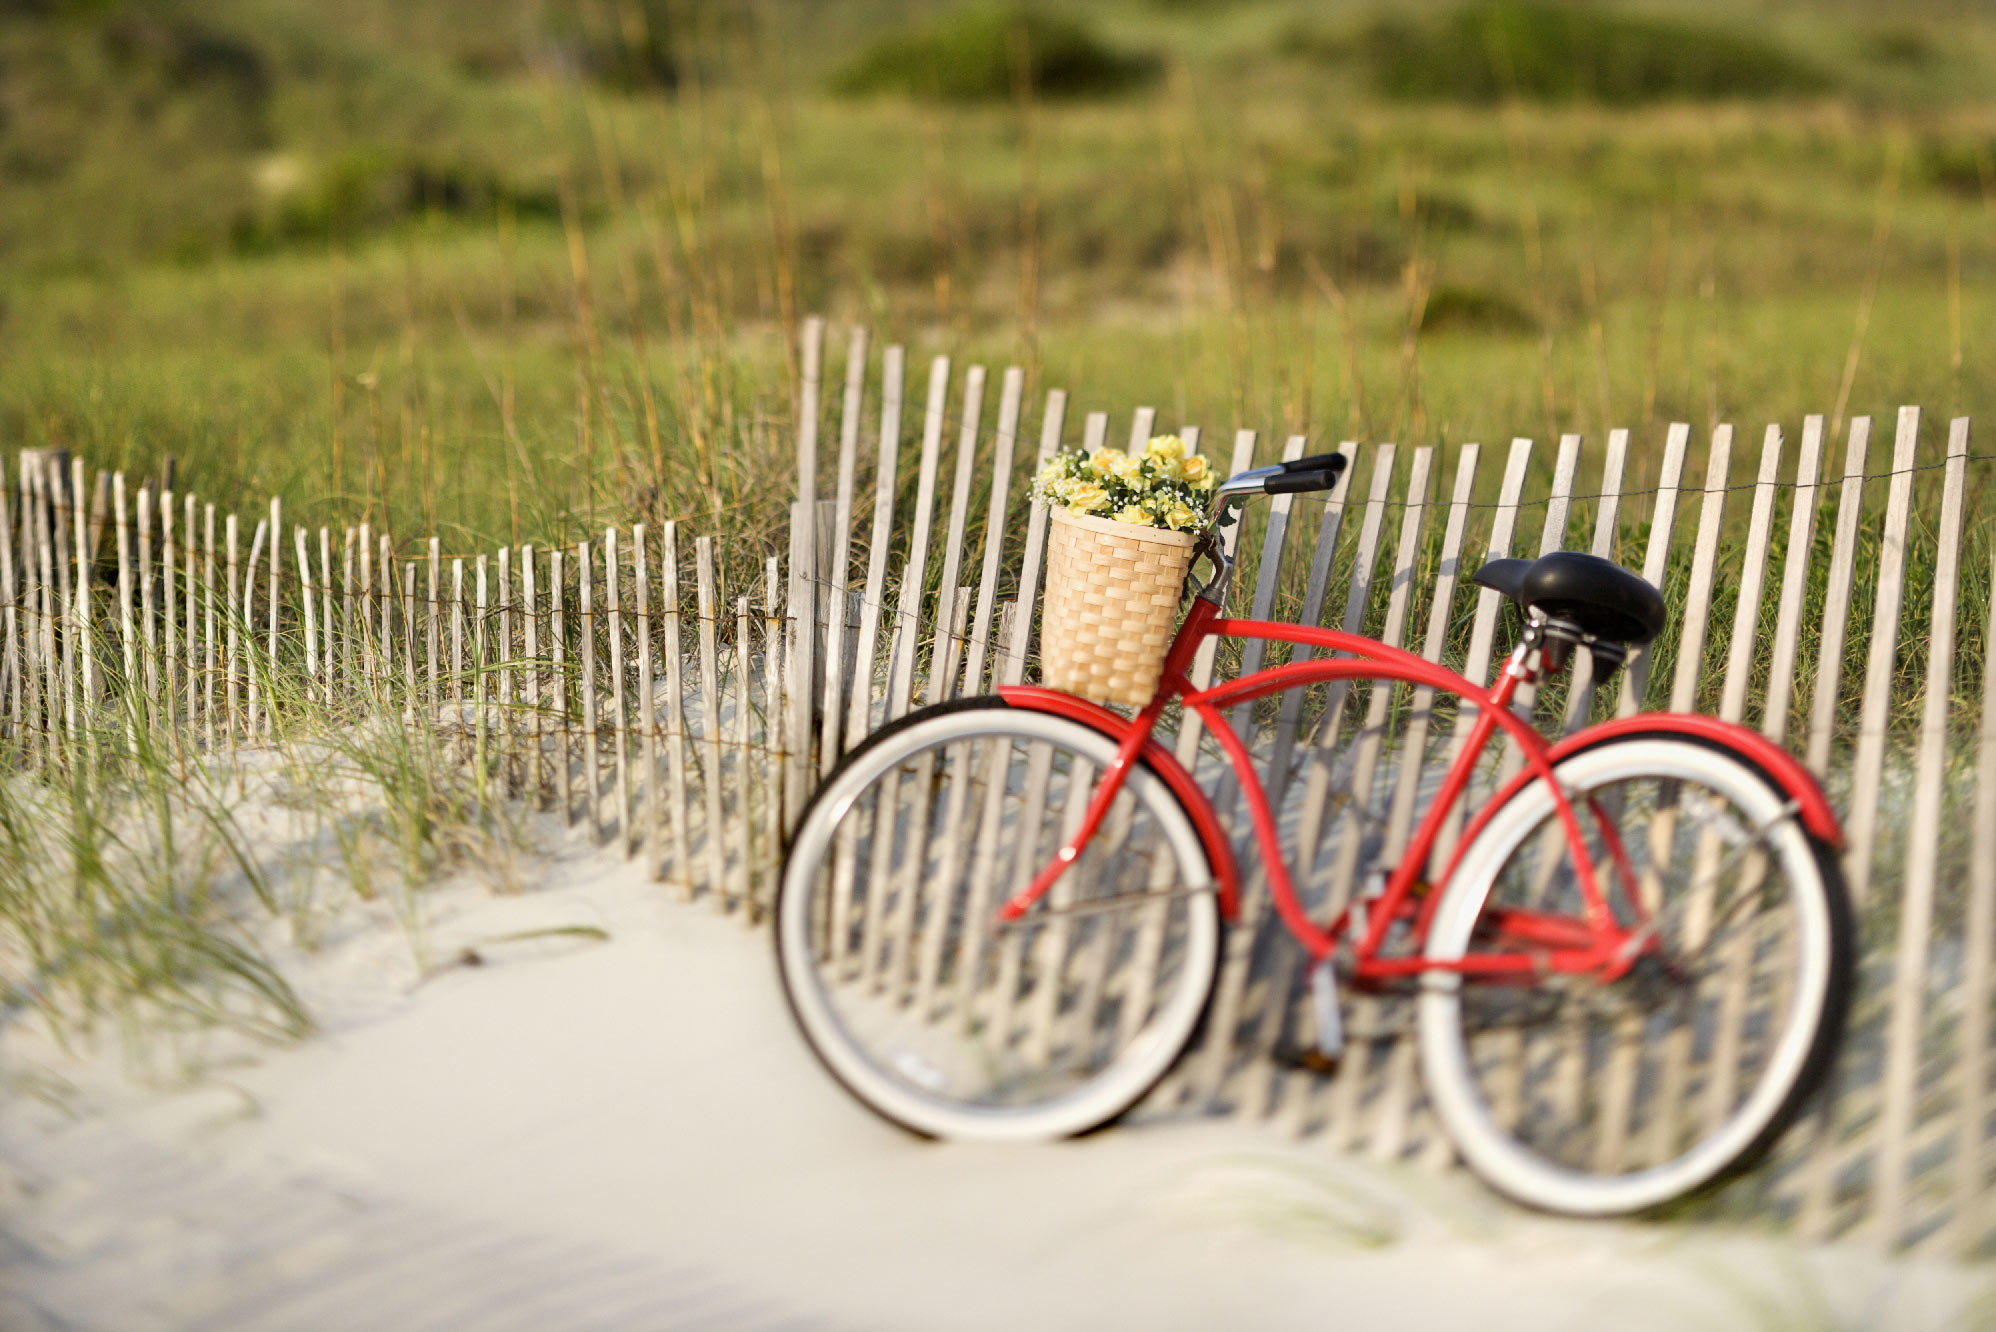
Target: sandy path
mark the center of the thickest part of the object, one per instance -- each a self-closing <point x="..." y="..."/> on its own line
<point x="629" y="1135"/>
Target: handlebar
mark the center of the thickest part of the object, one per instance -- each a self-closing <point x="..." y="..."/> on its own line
<point x="1292" y="483"/>
<point x="1319" y="472"/>
<point x="1321" y="462"/>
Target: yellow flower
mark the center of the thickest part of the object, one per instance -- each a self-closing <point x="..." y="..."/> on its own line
<point x="1127" y="468"/>
<point x="1086" y="497"/>
<point x="1168" y="469"/>
<point x="1105" y="460"/>
<point x="1133" y="513"/>
<point x="1181" y="518"/>
<point x="1199" y="473"/>
<point x="1165" y="448"/>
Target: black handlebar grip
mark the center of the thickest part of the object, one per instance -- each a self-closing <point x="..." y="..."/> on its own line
<point x="1321" y="462"/>
<point x="1292" y="483"/>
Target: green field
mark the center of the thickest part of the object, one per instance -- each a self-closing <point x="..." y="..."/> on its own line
<point x="486" y="266"/>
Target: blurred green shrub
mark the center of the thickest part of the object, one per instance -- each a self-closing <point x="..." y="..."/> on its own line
<point x="1474" y="310"/>
<point x="970" y="56"/>
<point x="1961" y="166"/>
<point x="629" y="47"/>
<point x="1553" y="52"/>
<point x="366" y="190"/>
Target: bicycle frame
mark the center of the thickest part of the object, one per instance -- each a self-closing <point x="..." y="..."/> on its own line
<point x="1593" y="942"/>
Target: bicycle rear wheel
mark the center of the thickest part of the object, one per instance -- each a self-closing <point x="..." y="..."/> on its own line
<point x="1591" y="1097"/>
<point x="909" y="990"/>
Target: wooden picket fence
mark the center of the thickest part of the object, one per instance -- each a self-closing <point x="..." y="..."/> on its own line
<point x="691" y="731"/>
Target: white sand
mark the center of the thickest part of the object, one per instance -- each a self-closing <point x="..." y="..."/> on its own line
<point x="630" y="1135"/>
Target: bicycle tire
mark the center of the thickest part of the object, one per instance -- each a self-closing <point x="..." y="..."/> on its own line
<point x="1523" y="1109"/>
<point x="911" y="1016"/>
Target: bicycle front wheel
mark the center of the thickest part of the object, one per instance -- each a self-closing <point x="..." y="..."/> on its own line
<point x="1592" y="1097"/>
<point x="909" y="989"/>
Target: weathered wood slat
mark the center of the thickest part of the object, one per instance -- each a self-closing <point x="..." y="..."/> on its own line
<point x="803" y="569"/>
<point x="503" y="658"/>
<point x="252" y="673"/>
<point x="995" y="528"/>
<point x="1693" y="626"/>
<point x="1026" y="604"/>
<point x="1837" y="595"/>
<point x="532" y="681"/>
<point x="1923" y="839"/>
<point x="479" y="721"/>
<point x="410" y="694"/>
<point x="1607" y="513"/>
<point x="772" y="683"/>
<point x="126" y="626"/>
<point x="879" y="541"/>
<point x="647" y="702"/>
<point x="558" y="640"/>
<point x="744" y="822"/>
<point x="1794" y="582"/>
<point x="457" y="631"/>
<point x="1656" y="560"/>
<point x="209" y="645"/>
<point x="86" y="628"/>
<point x="839" y="574"/>
<point x="675" y="710"/>
<point x="193" y="641"/>
<point x="708" y="592"/>
<point x="908" y="609"/>
<point x="592" y="782"/>
<point x="232" y="661"/>
<point x="1745" y="639"/>
<point x="613" y="562"/>
<point x="148" y="624"/>
<point x="1869" y="768"/>
<point x="941" y="679"/>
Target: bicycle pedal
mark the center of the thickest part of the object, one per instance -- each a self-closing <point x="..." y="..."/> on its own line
<point x="1304" y="1059"/>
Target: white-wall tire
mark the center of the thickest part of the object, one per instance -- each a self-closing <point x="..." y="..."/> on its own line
<point x="813" y="988"/>
<point x="1798" y="1044"/>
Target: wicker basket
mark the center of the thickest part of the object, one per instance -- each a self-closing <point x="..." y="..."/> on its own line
<point x="1111" y="604"/>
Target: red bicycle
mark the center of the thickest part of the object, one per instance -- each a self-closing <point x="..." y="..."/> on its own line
<point x="1001" y="917"/>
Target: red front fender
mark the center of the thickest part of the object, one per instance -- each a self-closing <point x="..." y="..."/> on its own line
<point x="1219" y="847"/>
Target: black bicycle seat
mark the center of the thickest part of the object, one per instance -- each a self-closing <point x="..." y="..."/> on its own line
<point x="1604" y="599"/>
